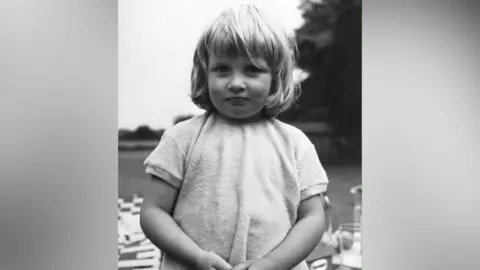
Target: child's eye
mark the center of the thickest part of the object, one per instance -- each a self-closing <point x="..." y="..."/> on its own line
<point x="221" y="69"/>
<point x="253" y="69"/>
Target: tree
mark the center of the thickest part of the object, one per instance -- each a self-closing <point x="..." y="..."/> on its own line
<point x="145" y="133"/>
<point x="329" y="45"/>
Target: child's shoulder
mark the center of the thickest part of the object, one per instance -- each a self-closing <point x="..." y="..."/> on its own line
<point x="296" y="135"/>
<point x="183" y="131"/>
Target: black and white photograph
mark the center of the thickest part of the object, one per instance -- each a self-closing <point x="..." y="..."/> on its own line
<point x="240" y="134"/>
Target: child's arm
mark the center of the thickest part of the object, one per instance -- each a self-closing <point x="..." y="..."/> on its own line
<point x="300" y="241"/>
<point x="158" y="225"/>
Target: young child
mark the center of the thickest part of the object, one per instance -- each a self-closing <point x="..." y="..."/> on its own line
<point x="235" y="188"/>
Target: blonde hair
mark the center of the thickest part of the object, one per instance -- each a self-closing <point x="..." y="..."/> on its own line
<point x="245" y="30"/>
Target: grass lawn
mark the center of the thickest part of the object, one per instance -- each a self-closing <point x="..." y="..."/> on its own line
<point x="132" y="180"/>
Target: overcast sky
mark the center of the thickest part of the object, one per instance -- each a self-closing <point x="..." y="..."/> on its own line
<point x="156" y="40"/>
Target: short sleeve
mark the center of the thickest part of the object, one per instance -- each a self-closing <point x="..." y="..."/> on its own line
<point x="311" y="174"/>
<point x="166" y="161"/>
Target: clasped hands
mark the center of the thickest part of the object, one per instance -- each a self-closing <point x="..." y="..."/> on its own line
<point x="211" y="261"/>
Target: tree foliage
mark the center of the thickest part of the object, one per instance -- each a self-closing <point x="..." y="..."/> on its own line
<point x="141" y="133"/>
<point x="329" y="45"/>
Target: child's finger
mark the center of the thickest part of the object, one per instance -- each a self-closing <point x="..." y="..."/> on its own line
<point x="221" y="265"/>
<point x="243" y="265"/>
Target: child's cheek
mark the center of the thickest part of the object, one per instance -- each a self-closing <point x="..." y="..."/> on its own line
<point x="216" y="84"/>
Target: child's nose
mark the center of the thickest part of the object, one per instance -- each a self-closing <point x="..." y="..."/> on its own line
<point x="236" y="83"/>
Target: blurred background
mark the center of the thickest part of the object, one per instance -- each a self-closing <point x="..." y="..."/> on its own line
<point x="156" y="44"/>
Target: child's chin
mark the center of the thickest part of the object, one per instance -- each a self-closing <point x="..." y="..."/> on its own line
<point x="242" y="115"/>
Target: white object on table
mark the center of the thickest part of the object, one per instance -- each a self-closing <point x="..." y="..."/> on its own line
<point x="138" y="263"/>
<point x="137" y="249"/>
<point x="320" y="264"/>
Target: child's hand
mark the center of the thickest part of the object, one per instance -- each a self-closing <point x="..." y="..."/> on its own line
<point x="261" y="264"/>
<point x="211" y="261"/>
<point x="243" y="266"/>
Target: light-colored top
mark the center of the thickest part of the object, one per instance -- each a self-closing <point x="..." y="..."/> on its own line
<point x="240" y="184"/>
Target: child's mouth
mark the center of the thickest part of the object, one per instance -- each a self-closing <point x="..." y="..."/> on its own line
<point x="237" y="100"/>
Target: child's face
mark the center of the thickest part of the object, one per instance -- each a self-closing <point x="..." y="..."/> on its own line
<point x="238" y="89"/>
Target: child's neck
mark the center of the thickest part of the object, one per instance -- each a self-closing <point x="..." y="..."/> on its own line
<point x="249" y="120"/>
